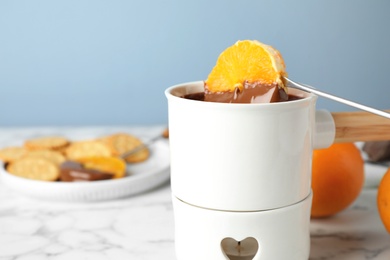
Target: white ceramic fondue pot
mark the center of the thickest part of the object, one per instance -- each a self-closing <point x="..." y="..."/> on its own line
<point x="241" y="175"/>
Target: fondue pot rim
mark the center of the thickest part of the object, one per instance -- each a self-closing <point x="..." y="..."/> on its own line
<point x="177" y="91"/>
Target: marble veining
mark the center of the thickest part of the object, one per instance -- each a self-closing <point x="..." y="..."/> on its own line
<point x="142" y="227"/>
<point x="356" y="233"/>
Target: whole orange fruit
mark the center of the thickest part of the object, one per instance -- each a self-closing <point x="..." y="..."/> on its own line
<point x="337" y="178"/>
<point x="383" y="200"/>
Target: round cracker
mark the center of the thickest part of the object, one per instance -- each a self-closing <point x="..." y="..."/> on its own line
<point x="12" y="153"/>
<point x="50" y="155"/>
<point x="35" y="169"/>
<point x="82" y="149"/>
<point x="47" y="142"/>
<point x="122" y="142"/>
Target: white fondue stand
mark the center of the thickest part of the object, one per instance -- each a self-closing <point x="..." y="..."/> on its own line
<point x="241" y="175"/>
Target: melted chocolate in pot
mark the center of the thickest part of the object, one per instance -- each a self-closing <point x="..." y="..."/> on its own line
<point x="254" y="92"/>
<point x="200" y="96"/>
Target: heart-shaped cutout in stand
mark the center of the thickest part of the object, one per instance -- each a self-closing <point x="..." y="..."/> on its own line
<point x="245" y="249"/>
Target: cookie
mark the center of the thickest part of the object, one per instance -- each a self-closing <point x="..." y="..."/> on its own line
<point x="122" y="142"/>
<point x="12" y="153"/>
<point x="47" y="142"/>
<point x="82" y="149"/>
<point x="110" y="164"/>
<point x="50" y="155"/>
<point x="35" y="169"/>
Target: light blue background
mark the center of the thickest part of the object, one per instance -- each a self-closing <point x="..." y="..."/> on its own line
<point x="95" y="62"/>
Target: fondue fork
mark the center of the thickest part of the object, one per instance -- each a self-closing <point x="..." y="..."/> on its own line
<point x="304" y="87"/>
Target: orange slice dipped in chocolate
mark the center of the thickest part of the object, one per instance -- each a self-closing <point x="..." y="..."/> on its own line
<point x="247" y="72"/>
<point x="110" y="164"/>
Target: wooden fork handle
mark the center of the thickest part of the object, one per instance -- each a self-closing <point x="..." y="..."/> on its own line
<point x="360" y="126"/>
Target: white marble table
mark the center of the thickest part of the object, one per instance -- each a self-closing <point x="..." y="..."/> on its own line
<point x="141" y="227"/>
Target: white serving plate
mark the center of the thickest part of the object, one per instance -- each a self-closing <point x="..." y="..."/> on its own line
<point x="142" y="177"/>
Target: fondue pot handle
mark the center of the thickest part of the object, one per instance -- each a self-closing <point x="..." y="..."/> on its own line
<point x="324" y="132"/>
<point x="360" y="126"/>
